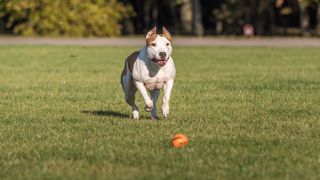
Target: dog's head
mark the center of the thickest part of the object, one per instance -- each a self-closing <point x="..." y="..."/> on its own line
<point x="159" y="47"/>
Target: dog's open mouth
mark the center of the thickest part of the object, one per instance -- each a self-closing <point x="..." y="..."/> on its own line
<point x="160" y="62"/>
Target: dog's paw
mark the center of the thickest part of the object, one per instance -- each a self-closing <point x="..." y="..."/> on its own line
<point x="165" y="110"/>
<point x="149" y="105"/>
<point x="155" y="118"/>
<point x="135" y="114"/>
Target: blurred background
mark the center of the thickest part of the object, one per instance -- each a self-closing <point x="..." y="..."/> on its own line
<point x="103" y="18"/>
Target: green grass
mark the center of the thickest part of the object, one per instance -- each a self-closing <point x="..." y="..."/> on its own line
<point x="250" y="113"/>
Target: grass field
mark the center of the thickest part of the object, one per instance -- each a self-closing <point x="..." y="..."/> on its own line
<point x="250" y="113"/>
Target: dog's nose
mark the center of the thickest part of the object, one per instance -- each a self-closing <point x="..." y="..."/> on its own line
<point x="163" y="55"/>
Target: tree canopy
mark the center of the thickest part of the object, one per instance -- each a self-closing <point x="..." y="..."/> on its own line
<point x="186" y="17"/>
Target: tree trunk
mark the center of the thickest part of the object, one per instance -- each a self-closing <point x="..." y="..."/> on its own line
<point x="197" y="18"/>
<point x="174" y="14"/>
<point x="304" y="19"/>
<point x="265" y="19"/>
<point x="155" y="12"/>
<point x="186" y="16"/>
<point x="318" y="20"/>
<point x="1" y="26"/>
<point x="148" y="13"/>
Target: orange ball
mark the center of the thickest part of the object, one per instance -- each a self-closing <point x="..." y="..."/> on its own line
<point x="179" y="140"/>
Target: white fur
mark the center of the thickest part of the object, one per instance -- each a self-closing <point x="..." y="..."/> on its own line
<point x="150" y="76"/>
<point x="161" y="46"/>
<point x="129" y="92"/>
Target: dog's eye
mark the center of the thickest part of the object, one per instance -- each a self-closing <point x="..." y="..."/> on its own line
<point x="168" y="44"/>
<point x="153" y="44"/>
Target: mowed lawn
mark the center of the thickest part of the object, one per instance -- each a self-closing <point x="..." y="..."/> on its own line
<point x="249" y="113"/>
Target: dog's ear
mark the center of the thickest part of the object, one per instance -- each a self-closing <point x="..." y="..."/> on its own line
<point x="151" y="36"/>
<point x="152" y="32"/>
<point x="166" y="34"/>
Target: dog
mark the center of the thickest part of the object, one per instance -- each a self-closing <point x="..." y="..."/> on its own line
<point x="150" y="69"/>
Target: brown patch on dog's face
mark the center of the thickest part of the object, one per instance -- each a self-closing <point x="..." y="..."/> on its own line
<point x="159" y="47"/>
<point x="151" y="36"/>
<point x="166" y="34"/>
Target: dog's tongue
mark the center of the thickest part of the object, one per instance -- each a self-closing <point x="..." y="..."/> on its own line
<point x="162" y="62"/>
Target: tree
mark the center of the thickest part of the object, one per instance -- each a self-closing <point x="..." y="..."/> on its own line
<point x="265" y="17"/>
<point x="63" y="18"/>
<point x="186" y="16"/>
<point x="318" y="19"/>
<point x="232" y="15"/>
<point x="304" y="17"/>
<point x="197" y="18"/>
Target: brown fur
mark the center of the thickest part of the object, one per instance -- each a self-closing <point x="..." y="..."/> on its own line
<point x="166" y="34"/>
<point x="153" y="36"/>
<point x="151" y="39"/>
<point x="132" y="59"/>
<point x="130" y="62"/>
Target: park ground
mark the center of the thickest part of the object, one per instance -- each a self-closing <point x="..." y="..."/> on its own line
<point x="178" y="41"/>
<point x="249" y="113"/>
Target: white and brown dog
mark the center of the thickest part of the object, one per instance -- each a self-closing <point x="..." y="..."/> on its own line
<point x="150" y="69"/>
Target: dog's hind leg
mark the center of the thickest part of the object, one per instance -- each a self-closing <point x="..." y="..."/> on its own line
<point x="130" y="99"/>
<point x="130" y="92"/>
<point x="154" y="94"/>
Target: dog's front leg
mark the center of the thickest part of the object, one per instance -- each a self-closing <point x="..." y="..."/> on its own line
<point x="154" y="94"/>
<point x="166" y="97"/>
<point x="143" y="91"/>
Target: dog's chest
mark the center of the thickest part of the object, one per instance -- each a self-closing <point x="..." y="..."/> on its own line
<point x="153" y="86"/>
<point x="150" y="77"/>
<point x="156" y="82"/>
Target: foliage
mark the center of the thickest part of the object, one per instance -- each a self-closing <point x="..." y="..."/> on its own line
<point x="249" y="113"/>
<point x="232" y="15"/>
<point x="67" y="18"/>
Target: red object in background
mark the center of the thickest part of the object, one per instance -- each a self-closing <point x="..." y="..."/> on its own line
<point x="248" y="30"/>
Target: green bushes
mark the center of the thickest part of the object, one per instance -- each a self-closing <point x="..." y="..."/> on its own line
<point x="64" y="17"/>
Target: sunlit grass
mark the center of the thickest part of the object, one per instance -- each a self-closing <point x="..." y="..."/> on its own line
<point x="250" y="113"/>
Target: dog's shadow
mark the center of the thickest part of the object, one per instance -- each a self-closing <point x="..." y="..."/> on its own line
<point x="107" y="113"/>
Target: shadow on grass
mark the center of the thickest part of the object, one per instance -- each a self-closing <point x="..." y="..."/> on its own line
<point x="106" y="113"/>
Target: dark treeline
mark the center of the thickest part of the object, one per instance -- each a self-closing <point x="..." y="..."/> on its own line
<point x="225" y="17"/>
<point x="186" y="17"/>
